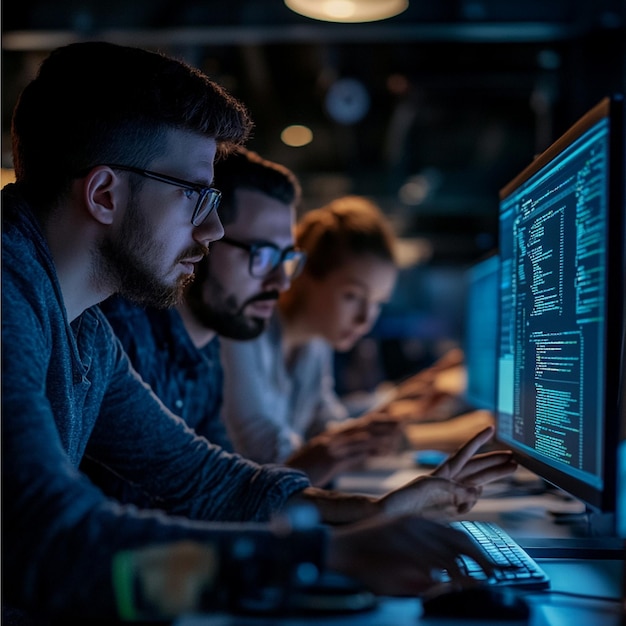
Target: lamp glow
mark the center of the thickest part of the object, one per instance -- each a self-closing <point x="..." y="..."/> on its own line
<point x="339" y="9"/>
<point x="296" y="136"/>
<point x="8" y="176"/>
<point x="348" y="10"/>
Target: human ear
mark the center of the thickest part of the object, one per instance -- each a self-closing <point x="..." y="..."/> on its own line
<point x="101" y="193"/>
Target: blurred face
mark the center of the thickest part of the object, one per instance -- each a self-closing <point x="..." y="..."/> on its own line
<point x="151" y="251"/>
<point x="237" y="304"/>
<point x="344" y="305"/>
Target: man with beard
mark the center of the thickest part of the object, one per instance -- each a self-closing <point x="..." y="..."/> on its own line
<point x="113" y="150"/>
<point x="176" y="351"/>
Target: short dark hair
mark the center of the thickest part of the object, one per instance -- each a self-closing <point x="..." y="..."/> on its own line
<point x="346" y="227"/>
<point x="96" y="102"/>
<point x="245" y="169"/>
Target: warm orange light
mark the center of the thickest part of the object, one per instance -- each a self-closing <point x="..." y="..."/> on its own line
<point x="348" y="10"/>
<point x="7" y="176"/>
<point x="296" y="136"/>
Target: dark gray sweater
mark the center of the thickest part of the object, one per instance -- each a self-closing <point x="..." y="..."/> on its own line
<point x="69" y="391"/>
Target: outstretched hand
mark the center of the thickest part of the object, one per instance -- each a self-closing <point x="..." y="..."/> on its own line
<point x="424" y="396"/>
<point x="424" y="382"/>
<point x="469" y="468"/>
<point x="327" y="455"/>
<point x="384" y="432"/>
<point x="455" y="486"/>
<point x="346" y="446"/>
<point x="401" y="555"/>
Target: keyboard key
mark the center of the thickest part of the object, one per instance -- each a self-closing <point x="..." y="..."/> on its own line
<point x="517" y="568"/>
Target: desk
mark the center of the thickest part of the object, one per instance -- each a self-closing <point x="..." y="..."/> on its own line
<point x="524" y="517"/>
<point x="548" y="608"/>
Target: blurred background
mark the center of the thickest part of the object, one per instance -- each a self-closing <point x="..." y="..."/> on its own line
<point x="428" y="113"/>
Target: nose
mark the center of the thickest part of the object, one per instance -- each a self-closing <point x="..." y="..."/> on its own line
<point x="278" y="279"/>
<point x="366" y="317"/>
<point x="210" y="230"/>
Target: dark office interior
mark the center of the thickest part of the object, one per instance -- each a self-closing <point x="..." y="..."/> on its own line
<point x="429" y="112"/>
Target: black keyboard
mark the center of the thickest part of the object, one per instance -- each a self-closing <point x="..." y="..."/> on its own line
<point x="501" y="549"/>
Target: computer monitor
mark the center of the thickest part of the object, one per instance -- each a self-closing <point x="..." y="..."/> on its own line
<point x="481" y="332"/>
<point x="561" y="313"/>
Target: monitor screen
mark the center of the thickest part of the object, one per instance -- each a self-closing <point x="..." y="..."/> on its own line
<point x="561" y="315"/>
<point x="481" y="332"/>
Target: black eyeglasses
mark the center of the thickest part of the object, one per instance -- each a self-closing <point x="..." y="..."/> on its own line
<point x="208" y="197"/>
<point x="266" y="257"/>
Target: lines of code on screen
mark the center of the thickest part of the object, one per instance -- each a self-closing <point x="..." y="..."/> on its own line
<point x="553" y="248"/>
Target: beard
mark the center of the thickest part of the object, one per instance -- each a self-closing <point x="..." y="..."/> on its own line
<point x="224" y="315"/>
<point x="125" y="261"/>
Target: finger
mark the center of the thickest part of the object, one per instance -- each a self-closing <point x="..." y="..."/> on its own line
<point x="484" y="461"/>
<point x="443" y="501"/>
<point x="439" y="498"/>
<point x="464" y="497"/>
<point x="490" y="474"/>
<point x="346" y="437"/>
<point x="462" y="544"/>
<point x="381" y="431"/>
<point x="350" y="448"/>
<point x="451" y="358"/>
<point x="446" y="547"/>
<point x="455" y="463"/>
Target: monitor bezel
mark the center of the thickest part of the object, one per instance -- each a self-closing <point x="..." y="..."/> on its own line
<point x="492" y="257"/>
<point x="603" y="500"/>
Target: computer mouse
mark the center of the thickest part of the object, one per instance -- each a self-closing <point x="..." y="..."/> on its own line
<point x="483" y="602"/>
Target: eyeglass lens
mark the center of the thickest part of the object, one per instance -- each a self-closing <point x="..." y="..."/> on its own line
<point x="265" y="259"/>
<point x="207" y="202"/>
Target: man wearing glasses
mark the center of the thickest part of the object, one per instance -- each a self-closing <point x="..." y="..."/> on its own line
<point x="234" y="295"/>
<point x="113" y="150"/>
<point x="176" y="350"/>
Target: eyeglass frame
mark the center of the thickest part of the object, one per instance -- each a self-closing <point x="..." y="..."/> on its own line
<point x="251" y="248"/>
<point x="202" y="191"/>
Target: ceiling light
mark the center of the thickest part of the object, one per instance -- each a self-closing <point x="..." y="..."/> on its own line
<point x="348" y="10"/>
<point x="297" y="136"/>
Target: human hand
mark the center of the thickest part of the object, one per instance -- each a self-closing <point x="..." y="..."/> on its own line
<point x="469" y="468"/>
<point x="455" y="486"/>
<point x="448" y="435"/>
<point x="346" y="446"/>
<point x="432" y="394"/>
<point x="325" y="456"/>
<point x="432" y="406"/>
<point x="402" y="555"/>
<point x="430" y="497"/>
<point x="424" y="382"/>
<point x="384" y="432"/>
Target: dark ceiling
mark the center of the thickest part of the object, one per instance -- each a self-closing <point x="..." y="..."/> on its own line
<point x="452" y="97"/>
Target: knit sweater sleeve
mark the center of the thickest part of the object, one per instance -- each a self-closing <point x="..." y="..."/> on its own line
<point x="138" y="437"/>
<point x="60" y="535"/>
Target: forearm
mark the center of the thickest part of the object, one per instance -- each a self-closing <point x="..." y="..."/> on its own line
<point x="339" y="508"/>
<point x="142" y="442"/>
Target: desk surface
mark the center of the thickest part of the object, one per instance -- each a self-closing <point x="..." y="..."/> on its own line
<point x="548" y="608"/>
<point x="523" y="517"/>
